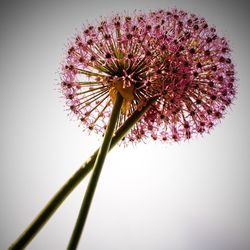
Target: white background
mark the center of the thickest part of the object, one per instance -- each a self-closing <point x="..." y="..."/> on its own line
<point x="154" y="196"/>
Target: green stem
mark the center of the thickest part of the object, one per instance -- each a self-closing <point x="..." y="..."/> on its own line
<point x="88" y="197"/>
<point x="35" y="226"/>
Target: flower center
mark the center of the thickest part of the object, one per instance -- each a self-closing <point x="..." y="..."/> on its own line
<point x="125" y="90"/>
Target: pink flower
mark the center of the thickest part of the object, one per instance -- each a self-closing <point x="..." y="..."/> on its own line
<point x="170" y="54"/>
<point x="118" y="54"/>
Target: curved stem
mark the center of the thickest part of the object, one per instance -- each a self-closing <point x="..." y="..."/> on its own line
<point x="88" y="197"/>
<point x="35" y="226"/>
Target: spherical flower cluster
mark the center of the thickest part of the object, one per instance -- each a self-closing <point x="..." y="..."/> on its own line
<point x="170" y="54"/>
<point x="117" y="55"/>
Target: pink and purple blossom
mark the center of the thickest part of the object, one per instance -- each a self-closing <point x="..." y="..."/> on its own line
<point x="172" y="54"/>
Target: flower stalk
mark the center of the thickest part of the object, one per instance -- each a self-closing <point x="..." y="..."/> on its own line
<point x="88" y="197"/>
<point x="45" y="214"/>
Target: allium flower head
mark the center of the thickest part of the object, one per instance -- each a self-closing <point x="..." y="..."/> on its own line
<point x="170" y="54"/>
<point x="117" y="55"/>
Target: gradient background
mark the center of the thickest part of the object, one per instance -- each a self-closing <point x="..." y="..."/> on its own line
<point x="186" y="196"/>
